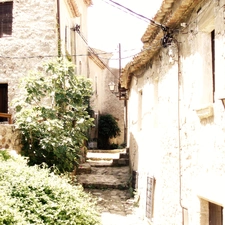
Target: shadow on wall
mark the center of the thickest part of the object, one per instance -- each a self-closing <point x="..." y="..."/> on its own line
<point x="133" y="152"/>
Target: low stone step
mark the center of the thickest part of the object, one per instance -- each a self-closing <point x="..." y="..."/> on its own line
<point x="101" y="181"/>
<point x="106" y="177"/>
<point x="120" y="162"/>
<point x="100" y="163"/>
<point x="84" y="168"/>
<point x="124" y="155"/>
<point x="107" y="151"/>
<point x="102" y="156"/>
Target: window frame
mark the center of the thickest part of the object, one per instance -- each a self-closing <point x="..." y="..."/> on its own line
<point x="6" y="18"/>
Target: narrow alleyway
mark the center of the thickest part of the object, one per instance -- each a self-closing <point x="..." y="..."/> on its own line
<point x="106" y="176"/>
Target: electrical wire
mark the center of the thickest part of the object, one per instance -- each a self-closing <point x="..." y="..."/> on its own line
<point x="52" y="56"/>
<point x="77" y="29"/>
<point x="131" y="12"/>
<point x="144" y="50"/>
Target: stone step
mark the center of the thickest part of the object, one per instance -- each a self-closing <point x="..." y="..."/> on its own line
<point x="120" y="162"/>
<point x="124" y="155"/>
<point x="106" y="177"/>
<point x="100" y="163"/>
<point x="108" y="159"/>
<point x="102" y="182"/>
<point x="84" y="168"/>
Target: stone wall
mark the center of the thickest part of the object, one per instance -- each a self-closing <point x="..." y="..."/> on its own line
<point x="176" y="123"/>
<point x="33" y="41"/>
<point x="9" y="138"/>
<point x="110" y="103"/>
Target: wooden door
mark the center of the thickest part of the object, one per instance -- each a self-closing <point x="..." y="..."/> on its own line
<point x="215" y="214"/>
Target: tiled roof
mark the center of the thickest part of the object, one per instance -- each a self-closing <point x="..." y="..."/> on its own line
<point x="88" y="2"/>
<point x="74" y="7"/>
<point x="101" y="62"/>
<point x="171" y="14"/>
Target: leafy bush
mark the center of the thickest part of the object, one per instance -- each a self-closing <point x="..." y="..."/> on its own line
<point x="53" y="119"/>
<point x="31" y="195"/>
<point x="107" y="128"/>
<point x="113" y="146"/>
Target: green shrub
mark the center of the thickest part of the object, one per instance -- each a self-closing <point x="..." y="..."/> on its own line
<point x="107" y="128"/>
<point x="4" y="155"/>
<point x="113" y="146"/>
<point x="53" y="118"/>
<point x="34" y="195"/>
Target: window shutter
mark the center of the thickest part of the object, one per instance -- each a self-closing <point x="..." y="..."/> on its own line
<point x="6" y="18"/>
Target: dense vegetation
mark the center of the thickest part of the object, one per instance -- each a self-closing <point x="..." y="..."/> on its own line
<point x="34" y="195"/>
<point x="107" y="128"/>
<point x="53" y="118"/>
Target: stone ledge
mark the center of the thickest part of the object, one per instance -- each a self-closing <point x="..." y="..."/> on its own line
<point x="205" y="111"/>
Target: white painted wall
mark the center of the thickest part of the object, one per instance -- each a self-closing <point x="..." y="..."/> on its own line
<point x="185" y="139"/>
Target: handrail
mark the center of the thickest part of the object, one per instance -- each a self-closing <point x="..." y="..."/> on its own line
<point x="7" y="115"/>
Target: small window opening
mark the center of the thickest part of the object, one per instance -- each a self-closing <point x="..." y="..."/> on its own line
<point x="213" y="62"/>
<point x="6" y="18"/>
<point x="215" y="214"/>
<point x="3" y="100"/>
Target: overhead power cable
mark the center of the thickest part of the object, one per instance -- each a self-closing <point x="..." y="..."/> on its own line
<point x="137" y="14"/>
<point x="77" y="29"/>
<point x="168" y="33"/>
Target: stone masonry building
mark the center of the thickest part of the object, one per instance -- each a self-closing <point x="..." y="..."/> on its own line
<point x="31" y="33"/>
<point x="176" y="114"/>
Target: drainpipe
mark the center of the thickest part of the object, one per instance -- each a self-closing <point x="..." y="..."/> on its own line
<point x="179" y="131"/>
<point x="58" y="28"/>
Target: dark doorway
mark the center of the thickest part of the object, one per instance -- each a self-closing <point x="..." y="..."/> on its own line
<point x="3" y="100"/>
<point x="215" y="214"/>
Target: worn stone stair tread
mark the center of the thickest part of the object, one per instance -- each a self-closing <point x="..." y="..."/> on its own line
<point x="102" y="181"/>
<point x="100" y="163"/>
<point x="98" y="156"/>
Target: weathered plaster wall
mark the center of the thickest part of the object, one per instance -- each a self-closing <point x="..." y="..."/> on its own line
<point x="33" y="41"/>
<point x="177" y="134"/>
<point x="103" y="101"/>
<point x="110" y="104"/>
<point x="81" y="45"/>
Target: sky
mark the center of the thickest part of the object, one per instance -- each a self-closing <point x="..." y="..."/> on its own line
<point x="109" y="25"/>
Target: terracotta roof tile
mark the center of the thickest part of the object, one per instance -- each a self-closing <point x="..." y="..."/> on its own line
<point x="171" y="14"/>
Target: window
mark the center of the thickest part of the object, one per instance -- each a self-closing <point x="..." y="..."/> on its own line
<point x="140" y="110"/>
<point x="80" y="68"/>
<point x="6" y="18"/>
<point x="213" y="62"/>
<point x="66" y="41"/>
<point x="3" y="100"/>
<point x="150" y="197"/>
<point x="215" y="214"/>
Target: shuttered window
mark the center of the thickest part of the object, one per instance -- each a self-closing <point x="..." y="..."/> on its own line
<point x="6" y="18"/>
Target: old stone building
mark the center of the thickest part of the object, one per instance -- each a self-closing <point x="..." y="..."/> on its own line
<point x="103" y="100"/>
<point x="176" y="87"/>
<point x="33" y="32"/>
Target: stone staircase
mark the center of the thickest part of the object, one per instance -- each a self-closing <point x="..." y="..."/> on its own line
<point x="105" y="169"/>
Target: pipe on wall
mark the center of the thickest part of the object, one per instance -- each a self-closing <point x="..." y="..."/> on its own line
<point x="58" y="28"/>
<point x="179" y="130"/>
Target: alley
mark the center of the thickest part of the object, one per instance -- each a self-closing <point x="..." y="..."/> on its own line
<point x="109" y="184"/>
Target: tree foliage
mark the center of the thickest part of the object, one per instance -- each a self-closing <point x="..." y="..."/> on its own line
<point x="53" y="118"/>
<point x="34" y="195"/>
<point x="107" y="128"/>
